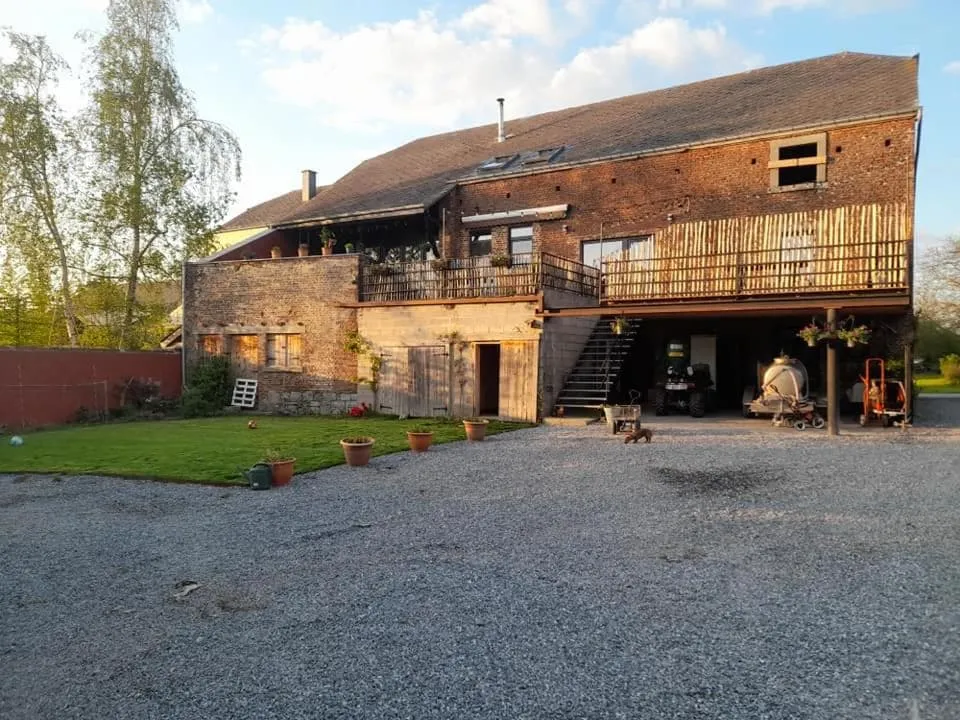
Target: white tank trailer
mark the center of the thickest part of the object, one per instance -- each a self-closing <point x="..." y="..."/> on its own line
<point x="784" y="388"/>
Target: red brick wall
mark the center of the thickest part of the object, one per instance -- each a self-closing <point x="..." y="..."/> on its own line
<point x="47" y="386"/>
<point x="300" y="295"/>
<point x="698" y="184"/>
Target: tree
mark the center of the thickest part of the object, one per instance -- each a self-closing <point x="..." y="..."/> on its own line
<point x="37" y="205"/>
<point x="164" y="173"/>
<point x="939" y="288"/>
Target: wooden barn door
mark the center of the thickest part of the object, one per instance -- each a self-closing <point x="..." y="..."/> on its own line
<point x="414" y="382"/>
<point x="429" y="381"/>
<point x="518" y="380"/>
<point x="393" y="392"/>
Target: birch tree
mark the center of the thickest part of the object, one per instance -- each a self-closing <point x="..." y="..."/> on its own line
<point x="164" y="174"/>
<point x="39" y="207"/>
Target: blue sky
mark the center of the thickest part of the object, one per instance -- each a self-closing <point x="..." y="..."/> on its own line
<point x="324" y="84"/>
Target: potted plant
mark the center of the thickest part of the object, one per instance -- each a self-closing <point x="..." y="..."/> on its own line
<point x="420" y="438"/>
<point x="281" y="466"/>
<point x="356" y="450"/>
<point x="327" y="241"/>
<point x="619" y="326"/>
<point x="276" y="252"/>
<point x="440" y="264"/>
<point x="476" y="428"/>
<point x="859" y="335"/>
<point x="303" y="249"/>
<point x="811" y="333"/>
<point x="500" y="261"/>
<point x="348" y="248"/>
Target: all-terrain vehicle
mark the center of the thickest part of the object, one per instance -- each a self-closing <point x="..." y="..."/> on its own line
<point x="680" y="385"/>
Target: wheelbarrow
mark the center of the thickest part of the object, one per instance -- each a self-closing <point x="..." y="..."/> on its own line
<point x="624" y="417"/>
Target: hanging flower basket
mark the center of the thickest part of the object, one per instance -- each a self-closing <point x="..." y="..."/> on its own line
<point x="619" y="326"/>
<point x="813" y="334"/>
<point x="859" y="335"/>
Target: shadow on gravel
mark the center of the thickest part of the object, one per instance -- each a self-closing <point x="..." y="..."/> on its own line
<point x="723" y="481"/>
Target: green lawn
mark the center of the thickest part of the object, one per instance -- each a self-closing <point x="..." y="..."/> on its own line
<point x="210" y="450"/>
<point x="936" y="384"/>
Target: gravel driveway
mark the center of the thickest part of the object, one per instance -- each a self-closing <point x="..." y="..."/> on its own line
<point x="719" y="572"/>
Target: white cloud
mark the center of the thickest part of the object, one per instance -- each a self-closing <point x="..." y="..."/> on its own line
<point x="426" y="75"/>
<point x="511" y="18"/>
<point x="194" y="11"/>
<point x="952" y="67"/>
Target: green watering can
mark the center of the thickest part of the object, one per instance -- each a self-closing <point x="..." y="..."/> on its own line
<point x="259" y="477"/>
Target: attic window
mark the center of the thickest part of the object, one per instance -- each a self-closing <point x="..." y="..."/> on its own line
<point x="798" y="163"/>
<point x="496" y="163"/>
<point x="540" y="157"/>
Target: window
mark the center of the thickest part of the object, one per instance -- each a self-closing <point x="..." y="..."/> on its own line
<point x="481" y="243"/>
<point x="283" y="351"/>
<point x="521" y="240"/>
<point x="209" y="345"/>
<point x="592" y="252"/>
<point x="497" y="163"/>
<point x="245" y="350"/>
<point x="540" y="157"/>
<point x="798" y="163"/>
<point x="796" y="260"/>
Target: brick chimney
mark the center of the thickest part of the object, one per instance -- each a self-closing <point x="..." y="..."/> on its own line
<point x="309" y="185"/>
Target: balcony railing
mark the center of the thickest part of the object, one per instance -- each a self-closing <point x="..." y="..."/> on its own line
<point x="475" y="277"/>
<point x="861" y="248"/>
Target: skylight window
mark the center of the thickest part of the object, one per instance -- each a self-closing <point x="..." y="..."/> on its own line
<point x="540" y="157"/>
<point x="497" y="163"/>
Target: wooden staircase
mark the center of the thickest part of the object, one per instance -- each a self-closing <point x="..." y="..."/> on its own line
<point x="593" y="377"/>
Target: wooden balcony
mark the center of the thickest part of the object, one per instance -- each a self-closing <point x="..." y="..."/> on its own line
<point x="475" y="277"/>
<point x="856" y="249"/>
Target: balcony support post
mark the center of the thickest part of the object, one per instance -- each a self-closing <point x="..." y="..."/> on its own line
<point x="833" y="410"/>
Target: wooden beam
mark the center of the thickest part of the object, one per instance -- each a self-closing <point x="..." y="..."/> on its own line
<point x="889" y="304"/>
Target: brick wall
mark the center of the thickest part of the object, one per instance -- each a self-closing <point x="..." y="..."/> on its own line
<point x="298" y="296"/>
<point x="866" y="163"/>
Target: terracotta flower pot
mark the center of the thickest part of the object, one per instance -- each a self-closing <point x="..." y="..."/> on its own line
<point x="281" y="472"/>
<point x="326" y="250"/>
<point x="356" y="451"/>
<point x="276" y="253"/>
<point x="419" y="441"/>
<point x="476" y="429"/>
<point x="303" y="250"/>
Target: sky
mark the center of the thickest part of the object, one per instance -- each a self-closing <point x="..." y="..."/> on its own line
<point x="325" y="84"/>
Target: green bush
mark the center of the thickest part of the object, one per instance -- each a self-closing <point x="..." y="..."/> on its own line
<point x="950" y="367"/>
<point x="208" y="389"/>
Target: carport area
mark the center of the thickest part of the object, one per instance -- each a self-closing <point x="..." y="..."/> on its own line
<point x="719" y="572"/>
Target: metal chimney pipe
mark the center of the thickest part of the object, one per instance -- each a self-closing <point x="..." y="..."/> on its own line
<point x="500" y="134"/>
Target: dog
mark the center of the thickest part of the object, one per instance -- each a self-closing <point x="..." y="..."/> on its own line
<point x="645" y="433"/>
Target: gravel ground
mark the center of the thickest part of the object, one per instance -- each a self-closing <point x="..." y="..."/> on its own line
<point x="722" y="571"/>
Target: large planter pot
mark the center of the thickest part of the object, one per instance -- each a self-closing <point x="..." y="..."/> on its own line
<point x="281" y="472"/>
<point x="476" y="429"/>
<point x="356" y="451"/>
<point x="419" y="441"/>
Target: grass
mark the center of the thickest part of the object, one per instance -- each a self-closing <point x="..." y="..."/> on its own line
<point x="211" y="450"/>
<point x="936" y="384"/>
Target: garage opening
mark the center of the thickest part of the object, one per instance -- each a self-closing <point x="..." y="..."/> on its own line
<point x="488" y="379"/>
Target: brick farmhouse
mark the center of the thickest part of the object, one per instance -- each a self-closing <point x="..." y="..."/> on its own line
<point x="477" y="271"/>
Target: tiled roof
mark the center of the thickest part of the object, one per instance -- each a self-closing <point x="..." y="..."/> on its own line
<point x="266" y="213"/>
<point x="807" y="94"/>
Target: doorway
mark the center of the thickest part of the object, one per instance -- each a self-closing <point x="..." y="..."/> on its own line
<point x="488" y="379"/>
